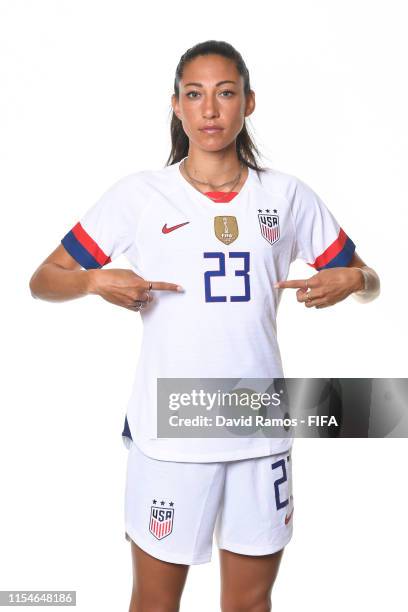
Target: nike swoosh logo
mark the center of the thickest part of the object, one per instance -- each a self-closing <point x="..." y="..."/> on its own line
<point x="166" y="229"/>
<point x="288" y="517"/>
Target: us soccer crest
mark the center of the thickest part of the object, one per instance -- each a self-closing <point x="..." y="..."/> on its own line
<point x="269" y="224"/>
<point x="226" y="228"/>
<point x="161" y="520"/>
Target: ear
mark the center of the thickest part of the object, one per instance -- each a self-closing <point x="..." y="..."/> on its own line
<point x="175" y="105"/>
<point x="250" y="103"/>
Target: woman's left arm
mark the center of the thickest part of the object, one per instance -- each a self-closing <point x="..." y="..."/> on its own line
<point x="370" y="285"/>
<point x="333" y="285"/>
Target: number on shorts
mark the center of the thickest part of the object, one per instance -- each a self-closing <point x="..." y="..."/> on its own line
<point x="281" y="463"/>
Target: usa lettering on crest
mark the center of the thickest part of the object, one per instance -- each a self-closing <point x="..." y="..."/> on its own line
<point x="269" y="224"/>
<point x="161" y="521"/>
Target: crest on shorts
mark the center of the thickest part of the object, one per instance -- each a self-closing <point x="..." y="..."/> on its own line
<point x="226" y="228"/>
<point x="269" y="224"/>
<point x="161" y="520"/>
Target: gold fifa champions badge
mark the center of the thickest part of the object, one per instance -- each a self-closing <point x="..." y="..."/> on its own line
<point x="226" y="228"/>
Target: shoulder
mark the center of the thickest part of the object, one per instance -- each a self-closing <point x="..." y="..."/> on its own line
<point x="281" y="183"/>
<point x="296" y="190"/>
<point x="151" y="176"/>
<point x="145" y="181"/>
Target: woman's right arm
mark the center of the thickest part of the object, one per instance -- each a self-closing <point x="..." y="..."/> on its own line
<point x="60" y="278"/>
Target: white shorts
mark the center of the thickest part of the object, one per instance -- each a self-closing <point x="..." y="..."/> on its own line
<point x="173" y="508"/>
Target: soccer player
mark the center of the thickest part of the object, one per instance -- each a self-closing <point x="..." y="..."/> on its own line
<point x="210" y="239"/>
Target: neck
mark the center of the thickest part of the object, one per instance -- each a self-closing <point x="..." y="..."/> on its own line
<point x="214" y="167"/>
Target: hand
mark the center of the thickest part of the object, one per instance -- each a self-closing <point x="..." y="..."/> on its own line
<point x="124" y="287"/>
<point x="327" y="287"/>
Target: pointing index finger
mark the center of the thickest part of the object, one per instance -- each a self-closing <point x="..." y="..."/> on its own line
<point x="291" y="284"/>
<point x="163" y="286"/>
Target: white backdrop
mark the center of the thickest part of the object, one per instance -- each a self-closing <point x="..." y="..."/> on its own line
<point x="85" y="100"/>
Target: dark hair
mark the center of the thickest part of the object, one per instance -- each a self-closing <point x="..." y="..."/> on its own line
<point x="246" y="149"/>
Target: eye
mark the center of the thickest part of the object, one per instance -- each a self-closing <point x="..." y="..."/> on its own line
<point x="226" y="91"/>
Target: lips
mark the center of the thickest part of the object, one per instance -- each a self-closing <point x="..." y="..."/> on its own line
<point x="211" y="130"/>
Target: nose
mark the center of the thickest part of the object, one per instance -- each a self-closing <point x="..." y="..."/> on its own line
<point x="210" y="109"/>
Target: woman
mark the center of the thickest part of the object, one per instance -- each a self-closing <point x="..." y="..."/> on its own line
<point x="220" y="232"/>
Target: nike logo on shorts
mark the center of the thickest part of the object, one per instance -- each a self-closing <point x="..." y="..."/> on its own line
<point x="288" y="517"/>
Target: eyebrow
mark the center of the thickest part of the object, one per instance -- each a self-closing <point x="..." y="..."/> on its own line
<point x="217" y="84"/>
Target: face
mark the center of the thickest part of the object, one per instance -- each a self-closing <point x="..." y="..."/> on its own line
<point x="212" y="93"/>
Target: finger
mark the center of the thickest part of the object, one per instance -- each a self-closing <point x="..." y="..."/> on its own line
<point x="308" y="296"/>
<point x="132" y="307"/>
<point x="162" y="286"/>
<point x="124" y="301"/>
<point x="133" y="303"/>
<point x="140" y="295"/>
<point x="315" y="303"/>
<point x="144" y="296"/>
<point x="138" y="305"/>
<point x="292" y="284"/>
<point x="299" y="293"/>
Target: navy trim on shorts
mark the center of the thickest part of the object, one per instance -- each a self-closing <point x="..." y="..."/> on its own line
<point x="126" y="429"/>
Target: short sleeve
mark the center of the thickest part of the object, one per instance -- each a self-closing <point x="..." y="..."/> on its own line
<point x="319" y="239"/>
<point x="106" y="230"/>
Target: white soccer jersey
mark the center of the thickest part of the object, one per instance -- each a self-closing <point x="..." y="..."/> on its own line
<point x="226" y="253"/>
